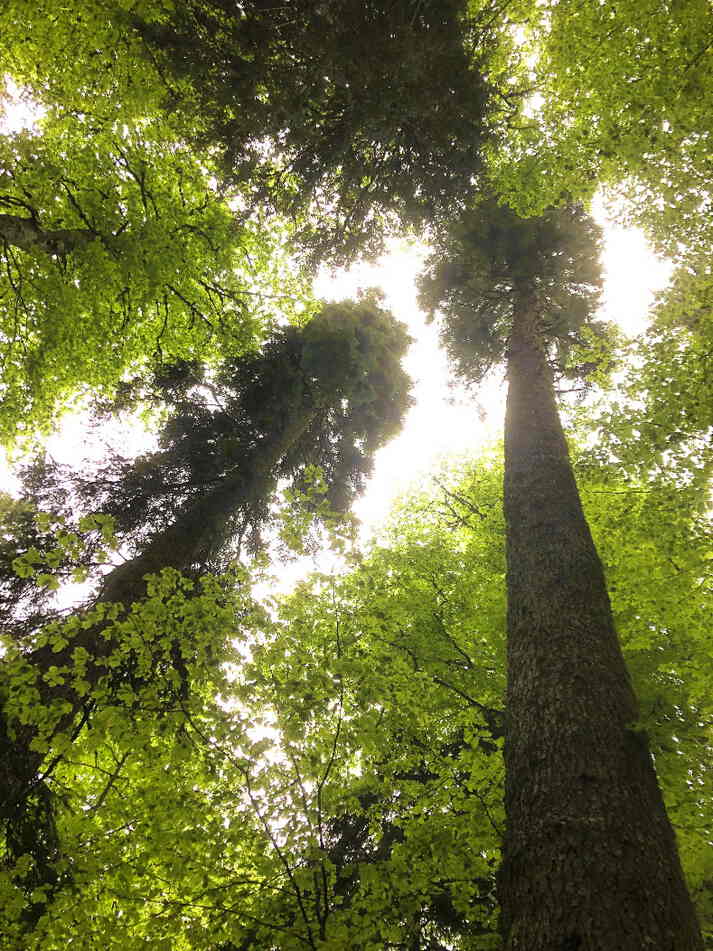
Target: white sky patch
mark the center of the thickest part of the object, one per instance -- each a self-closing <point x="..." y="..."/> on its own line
<point x="532" y="105"/>
<point x="633" y="274"/>
<point x="444" y="420"/>
<point x="447" y="421"/>
<point x="17" y="112"/>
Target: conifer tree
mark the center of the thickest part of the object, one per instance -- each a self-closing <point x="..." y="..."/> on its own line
<point x="322" y="397"/>
<point x="590" y="858"/>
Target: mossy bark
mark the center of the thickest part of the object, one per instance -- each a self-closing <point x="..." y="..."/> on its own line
<point x="590" y="859"/>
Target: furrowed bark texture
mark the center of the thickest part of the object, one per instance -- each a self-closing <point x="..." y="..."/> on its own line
<point x="590" y="860"/>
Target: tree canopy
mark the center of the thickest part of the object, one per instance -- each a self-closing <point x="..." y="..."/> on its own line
<point x="187" y="764"/>
<point x="482" y="266"/>
<point x="623" y="90"/>
<point x="119" y="251"/>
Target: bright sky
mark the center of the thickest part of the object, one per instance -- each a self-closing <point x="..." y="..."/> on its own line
<point x="442" y="421"/>
<point x="440" y="424"/>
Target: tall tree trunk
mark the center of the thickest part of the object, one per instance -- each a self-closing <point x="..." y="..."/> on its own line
<point x="590" y="859"/>
<point x="196" y="534"/>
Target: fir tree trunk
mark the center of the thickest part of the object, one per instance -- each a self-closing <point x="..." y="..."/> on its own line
<point x="590" y="860"/>
<point x="195" y="535"/>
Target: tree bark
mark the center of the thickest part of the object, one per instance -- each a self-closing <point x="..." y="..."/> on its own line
<point x="590" y="860"/>
<point x="26" y="234"/>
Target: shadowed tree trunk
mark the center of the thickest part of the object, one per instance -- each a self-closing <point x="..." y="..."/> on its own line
<point x="195" y="535"/>
<point x="590" y="859"/>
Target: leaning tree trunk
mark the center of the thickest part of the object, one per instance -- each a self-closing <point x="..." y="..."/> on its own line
<point x="590" y="859"/>
<point x="196" y="533"/>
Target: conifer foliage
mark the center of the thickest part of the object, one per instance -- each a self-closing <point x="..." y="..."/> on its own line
<point x="322" y="398"/>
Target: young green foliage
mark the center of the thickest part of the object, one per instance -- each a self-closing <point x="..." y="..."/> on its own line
<point x="660" y="420"/>
<point x="622" y="96"/>
<point x="347" y="791"/>
<point x="117" y="251"/>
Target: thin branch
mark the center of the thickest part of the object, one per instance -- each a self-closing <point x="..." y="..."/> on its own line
<point x="110" y="784"/>
<point x="211" y="744"/>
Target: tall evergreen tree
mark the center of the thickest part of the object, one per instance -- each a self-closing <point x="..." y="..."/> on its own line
<point x="590" y="858"/>
<point x="325" y="396"/>
<point x="375" y="111"/>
